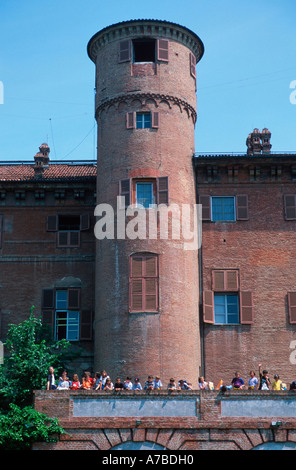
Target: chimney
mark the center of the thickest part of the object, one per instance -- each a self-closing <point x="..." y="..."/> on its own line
<point x="41" y="160"/>
<point x="258" y="142"/>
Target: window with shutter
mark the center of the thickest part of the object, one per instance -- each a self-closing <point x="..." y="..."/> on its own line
<point x="124" y="191"/>
<point x="144" y="283"/>
<point x="86" y="325"/>
<point x="225" y="280"/>
<point x="124" y="51"/>
<point x="205" y="202"/>
<point x="246" y="308"/>
<point x="47" y="298"/>
<point x="73" y="299"/>
<point x="48" y="320"/>
<point x="292" y="307"/>
<point x="130" y="120"/>
<point x="226" y="309"/>
<point x="84" y="222"/>
<point x="192" y="64"/>
<point x="208" y="307"/>
<point x="52" y="223"/>
<point x="163" y="190"/>
<point x="155" y="120"/>
<point x="242" y="207"/>
<point x="163" y="50"/>
<point x="290" y="206"/>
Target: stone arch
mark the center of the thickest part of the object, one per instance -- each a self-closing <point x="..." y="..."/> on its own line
<point x="139" y="445"/>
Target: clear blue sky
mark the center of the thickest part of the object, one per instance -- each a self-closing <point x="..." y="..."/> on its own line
<point x="243" y="78"/>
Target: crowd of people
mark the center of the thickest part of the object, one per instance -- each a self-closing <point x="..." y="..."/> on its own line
<point x="102" y="381"/>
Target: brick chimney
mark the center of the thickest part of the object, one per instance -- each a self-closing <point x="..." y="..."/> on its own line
<point x="41" y="160"/>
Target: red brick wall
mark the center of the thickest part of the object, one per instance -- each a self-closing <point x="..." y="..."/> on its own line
<point x="208" y="431"/>
<point x="165" y="343"/>
<point x="263" y="250"/>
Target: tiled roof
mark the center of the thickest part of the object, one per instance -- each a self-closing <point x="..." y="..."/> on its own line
<point x="55" y="172"/>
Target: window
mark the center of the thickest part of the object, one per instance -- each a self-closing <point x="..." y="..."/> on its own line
<point x="145" y="191"/>
<point x="144" y="283"/>
<point x="143" y="50"/>
<point x="62" y="313"/>
<point x="290" y="206"/>
<point x="226" y="303"/>
<point x="226" y="308"/>
<point x="224" y="208"/>
<point x="66" y="325"/>
<point x="68" y="228"/>
<point x="143" y="120"/>
<point x="144" y="194"/>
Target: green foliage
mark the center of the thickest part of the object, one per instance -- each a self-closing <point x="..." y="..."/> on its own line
<point x="20" y="427"/>
<point x="29" y="353"/>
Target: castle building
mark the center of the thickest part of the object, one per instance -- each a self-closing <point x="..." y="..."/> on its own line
<point x="84" y="242"/>
<point x="146" y="288"/>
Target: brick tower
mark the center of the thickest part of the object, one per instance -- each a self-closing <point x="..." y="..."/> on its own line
<point x="147" y="286"/>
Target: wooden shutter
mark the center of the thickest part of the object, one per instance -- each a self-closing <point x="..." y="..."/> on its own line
<point x="84" y="222"/>
<point x="47" y="298"/>
<point x="136" y="266"/>
<point x="144" y="283"/>
<point x="124" y="190"/>
<point x="52" y="223"/>
<point x="163" y="190"/>
<point x="150" y="289"/>
<point x="136" y="303"/>
<point x="86" y="325"/>
<point x="242" y="212"/>
<point x="1" y="230"/>
<point x="246" y="308"/>
<point x="124" y="51"/>
<point x="208" y="307"/>
<point x="155" y="120"/>
<point x="292" y="307"/>
<point x="48" y="320"/>
<point x="290" y="206"/>
<point x="163" y="50"/>
<point x="73" y="239"/>
<point x="192" y="64"/>
<point x="73" y="298"/>
<point x="130" y="120"/>
<point x="205" y="201"/>
<point x="226" y="280"/>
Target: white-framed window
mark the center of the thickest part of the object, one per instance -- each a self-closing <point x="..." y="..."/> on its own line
<point x="66" y="321"/>
<point x="143" y="120"/>
<point x="223" y="208"/>
<point x="145" y="194"/>
<point x="226" y="309"/>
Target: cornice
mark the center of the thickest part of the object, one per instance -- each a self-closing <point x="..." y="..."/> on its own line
<point x="153" y="28"/>
<point x="144" y="97"/>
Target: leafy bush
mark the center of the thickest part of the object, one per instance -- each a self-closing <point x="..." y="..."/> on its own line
<point x="21" y="427"/>
<point x="29" y="353"/>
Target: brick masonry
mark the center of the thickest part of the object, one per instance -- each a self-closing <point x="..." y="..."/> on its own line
<point x="207" y="431"/>
<point x="263" y="249"/>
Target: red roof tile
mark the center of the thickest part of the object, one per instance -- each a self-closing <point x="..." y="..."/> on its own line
<point x="55" y="171"/>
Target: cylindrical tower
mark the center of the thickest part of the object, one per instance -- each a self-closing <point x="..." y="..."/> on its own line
<point x="147" y="290"/>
